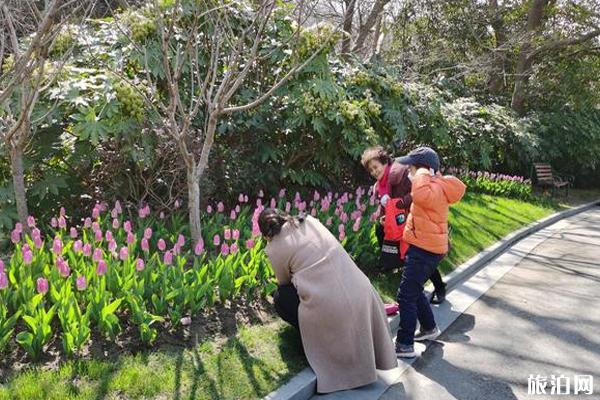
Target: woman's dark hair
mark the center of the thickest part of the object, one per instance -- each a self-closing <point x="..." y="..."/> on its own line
<point x="271" y="220"/>
<point x="375" y="153"/>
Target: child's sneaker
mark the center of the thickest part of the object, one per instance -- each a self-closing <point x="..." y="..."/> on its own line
<point x="405" y="350"/>
<point x="427" y="335"/>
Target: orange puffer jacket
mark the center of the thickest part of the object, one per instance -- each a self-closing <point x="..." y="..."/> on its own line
<point x="427" y="223"/>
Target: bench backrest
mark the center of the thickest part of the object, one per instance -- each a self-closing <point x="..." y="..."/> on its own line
<point x="543" y="172"/>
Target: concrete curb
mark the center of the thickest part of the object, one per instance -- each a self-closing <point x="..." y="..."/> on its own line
<point x="303" y="385"/>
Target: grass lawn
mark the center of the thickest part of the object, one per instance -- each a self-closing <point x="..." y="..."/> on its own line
<point x="246" y="366"/>
<point x="258" y="358"/>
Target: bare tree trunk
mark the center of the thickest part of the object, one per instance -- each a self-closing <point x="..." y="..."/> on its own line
<point x="348" y="18"/>
<point x="365" y="30"/>
<point x="496" y="80"/>
<point x="194" y="203"/>
<point x="18" y="175"/>
<point x="534" y="22"/>
<point x="376" y="38"/>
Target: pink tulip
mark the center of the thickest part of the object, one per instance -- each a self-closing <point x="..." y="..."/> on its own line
<point x="78" y="246"/>
<point x="63" y="267"/>
<point x="3" y="280"/>
<point x="282" y="193"/>
<point x="145" y="245"/>
<point x="245" y="198"/>
<point x="313" y="212"/>
<point x="209" y="209"/>
<point x="316" y="196"/>
<point x="15" y="236"/>
<point x="62" y="222"/>
<point x="148" y="233"/>
<point x="341" y="228"/>
<point x="241" y="198"/>
<point x="116" y="224"/>
<point x="224" y="249"/>
<point x="98" y="235"/>
<point x="199" y="248"/>
<point x="176" y="250"/>
<point x="250" y="244"/>
<point x="232" y="215"/>
<point x="258" y="202"/>
<point x="98" y="256"/>
<point x="127" y="226"/>
<point x="53" y="222"/>
<point x="118" y="207"/>
<point x="168" y="258"/>
<point x="234" y="248"/>
<point x="288" y="207"/>
<point x="216" y="240"/>
<point x="220" y="207"/>
<point x="297" y="197"/>
<point x="31" y="221"/>
<point x="139" y="265"/>
<point x="19" y="227"/>
<point x="57" y="246"/>
<point x="344" y="217"/>
<point x="123" y="253"/>
<point x="96" y="213"/>
<point x="273" y="203"/>
<point x="185" y="321"/>
<point x="81" y="283"/>
<point x="95" y="226"/>
<point x="130" y="238"/>
<point x="35" y="233"/>
<point x="235" y="234"/>
<point x="181" y="240"/>
<point x="42" y="285"/>
<point x="342" y="236"/>
<point x="62" y="212"/>
<point x="112" y="245"/>
<point x="162" y="245"/>
<point x="114" y="214"/>
<point x="73" y="233"/>
<point x="227" y="234"/>
<point x="255" y="229"/>
<point x="87" y="249"/>
<point x="101" y="269"/>
<point x="356" y="226"/>
<point x="108" y="236"/>
<point x="237" y="208"/>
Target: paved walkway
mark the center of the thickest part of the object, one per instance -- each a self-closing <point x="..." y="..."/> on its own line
<point x="541" y="317"/>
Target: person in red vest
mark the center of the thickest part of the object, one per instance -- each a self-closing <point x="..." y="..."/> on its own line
<point x="394" y="185"/>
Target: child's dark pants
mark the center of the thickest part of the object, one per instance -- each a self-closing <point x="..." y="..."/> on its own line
<point x="418" y="267"/>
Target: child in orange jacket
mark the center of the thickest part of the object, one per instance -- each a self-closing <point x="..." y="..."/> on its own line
<point x="426" y="232"/>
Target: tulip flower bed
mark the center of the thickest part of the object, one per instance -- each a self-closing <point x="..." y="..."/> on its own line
<point x="496" y="184"/>
<point x="69" y="279"/>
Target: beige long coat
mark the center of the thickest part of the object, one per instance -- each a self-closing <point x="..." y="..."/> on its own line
<point x="342" y="320"/>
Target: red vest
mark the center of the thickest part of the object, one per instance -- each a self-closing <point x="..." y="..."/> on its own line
<point x="395" y="220"/>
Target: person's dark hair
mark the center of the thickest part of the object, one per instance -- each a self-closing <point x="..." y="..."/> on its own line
<point x="271" y="220"/>
<point x="375" y="153"/>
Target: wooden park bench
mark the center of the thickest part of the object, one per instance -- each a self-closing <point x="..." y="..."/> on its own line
<point x="545" y="177"/>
